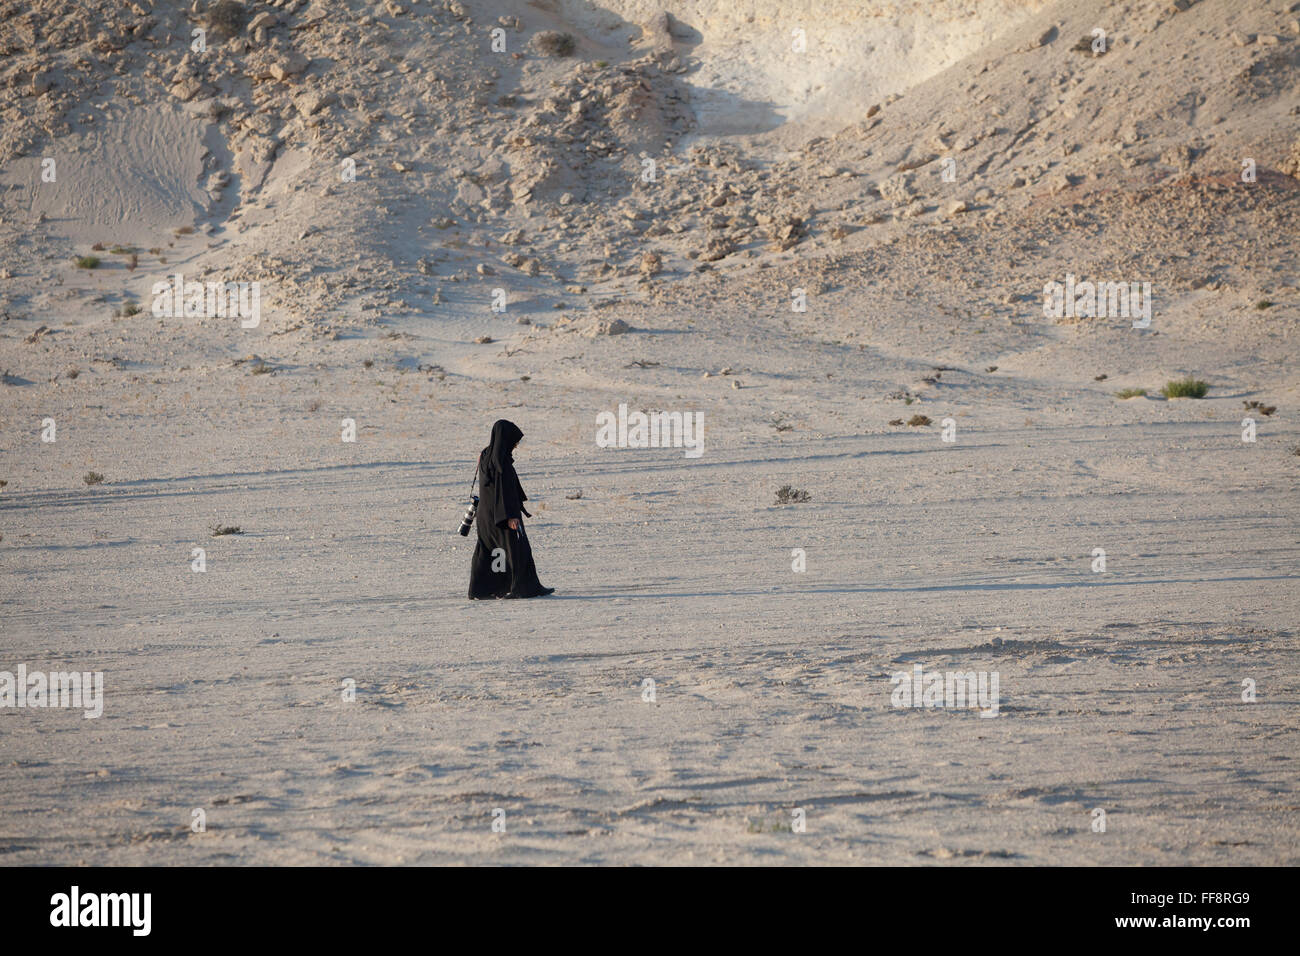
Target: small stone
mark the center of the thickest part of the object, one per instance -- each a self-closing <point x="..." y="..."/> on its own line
<point x="610" y="327"/>
<point x="309" y="104"/>
<point x="263" y="21"/>
<point x="1059" y="182"/>
<point x="186" y="89"/>
<point x="290" y="65"/>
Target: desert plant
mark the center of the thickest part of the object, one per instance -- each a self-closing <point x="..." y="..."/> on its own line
<point x="554" y="43"/>
<point x="88" y="262"/>
<point x="917" y="420"/>
<point x="789" y="494"/>
<point x="219" y="529"/>
<point x="1185" y="388"/>
<point x="1131" y="393"/>
<point x="226" y="18"/>
<point x="92" y="478"/>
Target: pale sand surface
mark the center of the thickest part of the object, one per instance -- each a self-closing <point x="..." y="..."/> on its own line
<point x="1119" y="690"/>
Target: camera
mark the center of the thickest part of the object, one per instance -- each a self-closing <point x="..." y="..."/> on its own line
<point x="467" y="521"/>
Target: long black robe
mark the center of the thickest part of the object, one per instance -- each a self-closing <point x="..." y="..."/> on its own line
<point x="501" y="497"/>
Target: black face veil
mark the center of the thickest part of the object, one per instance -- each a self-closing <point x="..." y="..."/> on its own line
<point x="505" y="436"/>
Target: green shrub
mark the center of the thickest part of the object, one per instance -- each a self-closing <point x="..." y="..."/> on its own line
<point x="1185" y="388"/>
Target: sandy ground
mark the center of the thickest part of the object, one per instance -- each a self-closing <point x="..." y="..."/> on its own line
<point x="1120" y="690"/>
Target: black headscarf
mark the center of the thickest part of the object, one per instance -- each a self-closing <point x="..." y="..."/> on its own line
<point x="501" y="495"/>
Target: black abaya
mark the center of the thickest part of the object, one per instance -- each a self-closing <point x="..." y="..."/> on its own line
<point x="502" y="565"/>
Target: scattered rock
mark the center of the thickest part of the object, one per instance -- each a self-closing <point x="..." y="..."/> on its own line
<point x="1291" y="165"/>
<point x="290" y="65"/>
<point x="897" y="189"/>
<point x="311" y="103"/>
<point x="608" y="327"/>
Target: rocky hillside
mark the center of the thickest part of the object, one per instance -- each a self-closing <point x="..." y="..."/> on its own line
<point x="407" y="157"/>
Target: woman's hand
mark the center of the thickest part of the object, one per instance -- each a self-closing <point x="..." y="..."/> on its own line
<point x="513" y="524"/>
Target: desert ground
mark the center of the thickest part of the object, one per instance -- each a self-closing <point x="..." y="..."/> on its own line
<point x="826" y="228"/>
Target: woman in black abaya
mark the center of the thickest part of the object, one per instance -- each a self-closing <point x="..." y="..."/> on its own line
<point x="502" y="565"/>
